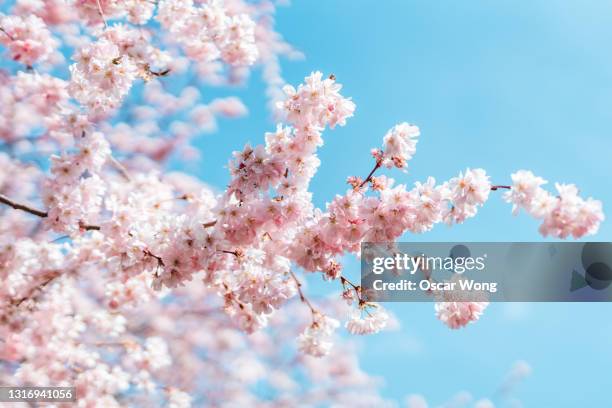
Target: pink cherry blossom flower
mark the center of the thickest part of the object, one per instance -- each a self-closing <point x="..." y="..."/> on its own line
<point x="316" y="338"/>
<point x="471" y="188"/>
<point x="458" y="314"/>
<point x="399" y="145"/>
<point x="210" y="32"/>
<point x="139" y="11"/>
<point x="525" y="187"/>
<point x="572" y="215"/>
<point x="367" y="321"/>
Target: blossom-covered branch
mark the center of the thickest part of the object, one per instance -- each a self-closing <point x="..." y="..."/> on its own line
<point x="38" y="213"/>
<point x="165" y="273"/>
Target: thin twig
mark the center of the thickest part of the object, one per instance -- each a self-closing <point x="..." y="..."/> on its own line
<point x="101" y="12"/>
<point x="344" y="280"/>
<point x="88" y="227"/>
<point x="367" y="179"/>
<point x="356" y="288"/>
<point x="7" y="34"/>
<point x="494" y="188"/>
<point x="32" y="295"/>
<point x="236" y="253"/>
<point x="162" y="73"/>
<point x="301" y="293"/>
<point x="160" y="261"/>
<point x="120" y="168"/>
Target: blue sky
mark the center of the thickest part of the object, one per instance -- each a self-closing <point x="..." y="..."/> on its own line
<point x="501" y="85"/>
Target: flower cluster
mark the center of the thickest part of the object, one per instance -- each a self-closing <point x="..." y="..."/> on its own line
<point x="357" y="217"/>
<point x="31" y="101"/>
<point x="316" y="340"/>
<point x="53" y="12"/>
<point x="466" y="192"/>
<point x="314" y="104"/>
<point x="209" y="32"/>
<point x="458" y="314"/>
<point x="94" y="12"/>
<point x="73" y="194"/>
<point x="101" y="76"/>
<point x="564" y="215"/>
<point x="105" y="70"/>
<point x="139" y="11"/>
<point x="399" y="145"/>
<point x="368" y="320"/>
<point x="27" y="38"/>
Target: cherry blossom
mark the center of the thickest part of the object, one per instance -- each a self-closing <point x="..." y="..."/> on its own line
<point x="53" y="12"/>
<point x="525" y="189"/>
<point x="209" y="32"/>
<point x="316" y="339"/>
<point x="571" y="214"/>
<point x="27" y="38"/>
<point x="458" y="314"/>
<point x="134" y="282"/>
<point x="399" y="145"/>
<point x="375" y="320"/>
<point x="564" y="215"/>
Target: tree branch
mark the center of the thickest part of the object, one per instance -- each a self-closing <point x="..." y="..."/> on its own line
<point x="39" y="213"/>
<point x="367" y="179"/>
<point x="17" y="206"/>
<point x="101" y="12"/>
<point x="88" y="227"/>
<point x="209" y="224"/>
<point x="120" y="168"/>
<point x="301" y="293"/>
<point x="7" y="34"/>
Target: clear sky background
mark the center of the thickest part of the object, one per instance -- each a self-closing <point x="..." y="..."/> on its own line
<point x="502" y="85"/>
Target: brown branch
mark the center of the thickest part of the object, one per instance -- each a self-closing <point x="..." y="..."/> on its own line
<point x="495" y="188"/>
<point x="17" y="206"/>
<point x="369" y="178"/>
<point x="356" y="288"/>
<point x="344" y="280"/>
<point x="160" y="73"/>
<point x="237" y="253"/>
<point x="209" y="224"/>
<point x="160" y="261"/>
<point x="88" y="227"/>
